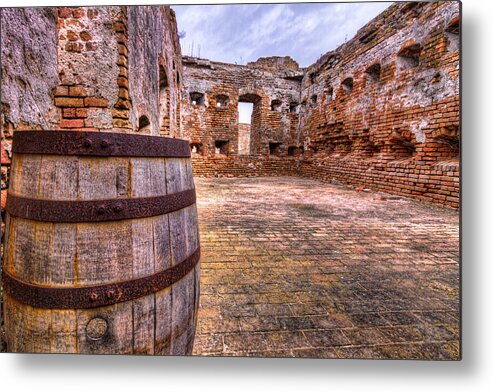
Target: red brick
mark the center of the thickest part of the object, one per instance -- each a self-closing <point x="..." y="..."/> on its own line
<point x="5" y="156"/>
<point x="78" y="13"/>
<point x="77" y="91"/>
<point x="91" y="46"/>
<point x="69" y="113"/>
<point x="85" y="36"/>
<point x="60" y="91"/>
<point x="72" y="35"/>
<point x="69" y="102"/>
<point x="122" y="104"/>
<point x="81" y="113"/>
<point x="65" y="12"/>
<point x="73" y="47"/>
<point x="76" y="123"/>
<point x="119" y="27"/>
<point x="92" y="13"/>
<point x="96" y="102"/>
<point x="122" y="82"/>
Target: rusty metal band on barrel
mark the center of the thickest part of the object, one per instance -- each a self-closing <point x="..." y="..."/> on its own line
<point x="103" y="144"/>
<point x="85" y="297"/>
<point x="73" y="211"/>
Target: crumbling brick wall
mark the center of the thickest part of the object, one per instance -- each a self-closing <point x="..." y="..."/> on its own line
<point x="113" y="69"/>
<point x="210" y="114"/>
<point x="381" y="111"/>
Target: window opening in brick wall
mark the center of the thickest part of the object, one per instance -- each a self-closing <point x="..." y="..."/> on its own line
<point x="222" y="101"/>
<point x="275" y="148"/>
<point x="144" y="124"/>
<point x="408" y="57"/>
<point x="275" y="105"/>
<point x="295" y="151"/>
<point x="313" y="100"/>
<point x="373" y="73"/>
<point x="249" y="113"/>
<point x="448" y="141"/>
<point x="452" y="33"/>
<point x="197" y="99"/>
<point x="221" y="147"/>
<point x="294" y="107"/>
<point x="402" y="143"/>
<point x="196" y="148"/>
<point x="347" y="85"/>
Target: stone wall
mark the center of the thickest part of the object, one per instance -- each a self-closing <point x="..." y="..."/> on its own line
<point x="113" y="69"/>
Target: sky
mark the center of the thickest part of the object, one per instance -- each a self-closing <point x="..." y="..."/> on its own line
<point x="240" y="33"/>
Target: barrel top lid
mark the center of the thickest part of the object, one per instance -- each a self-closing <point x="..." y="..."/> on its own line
<point x="98" y="144"/>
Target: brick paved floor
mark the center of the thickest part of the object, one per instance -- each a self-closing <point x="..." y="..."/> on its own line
<point x="293" y="267"/>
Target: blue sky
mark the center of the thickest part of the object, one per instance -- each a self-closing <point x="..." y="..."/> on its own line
<point x="239" y="33"/>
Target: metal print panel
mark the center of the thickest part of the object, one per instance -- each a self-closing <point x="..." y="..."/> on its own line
<point x="322" y="142"/>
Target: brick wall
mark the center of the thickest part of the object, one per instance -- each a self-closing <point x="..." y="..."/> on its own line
<point x="271" y="84"/>
<point x="395" y="125"/>
<point x="244" y="166"/>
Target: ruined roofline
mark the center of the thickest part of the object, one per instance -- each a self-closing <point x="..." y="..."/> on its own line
<point x="200" y="61"/>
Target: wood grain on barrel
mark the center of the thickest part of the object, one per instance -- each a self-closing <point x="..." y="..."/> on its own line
<point x="65" y="254"/>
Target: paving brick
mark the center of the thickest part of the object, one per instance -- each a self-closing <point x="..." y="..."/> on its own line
<point x="268" y="298"/>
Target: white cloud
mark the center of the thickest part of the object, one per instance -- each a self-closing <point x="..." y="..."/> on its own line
<point x="243" y="32"/>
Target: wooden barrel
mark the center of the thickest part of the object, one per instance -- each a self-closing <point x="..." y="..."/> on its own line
<point x="102" y="246"/>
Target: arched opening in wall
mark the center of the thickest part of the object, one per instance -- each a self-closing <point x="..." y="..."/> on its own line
<point x="197" y="99"/>
<point x="294" y="107"/>
<point x="373" y="73"/>
<point x="452" y="32"/>
<point x="347" y="85"/>
<point x="408" y="57"/>
<point x="245" y="110"/>
<point x="222" y="101"/>
<point x="248" y="124"/>
<point x="164" y="103"/>
<point x="197" y="148"/>
<point x="144" y="125"/>
<point x="275" y="105"/>
<point x="402" y="144"/>
<point x="447" y="139"/>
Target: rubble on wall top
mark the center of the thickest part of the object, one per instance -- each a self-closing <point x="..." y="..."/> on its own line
<point x="274" y="63"/>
